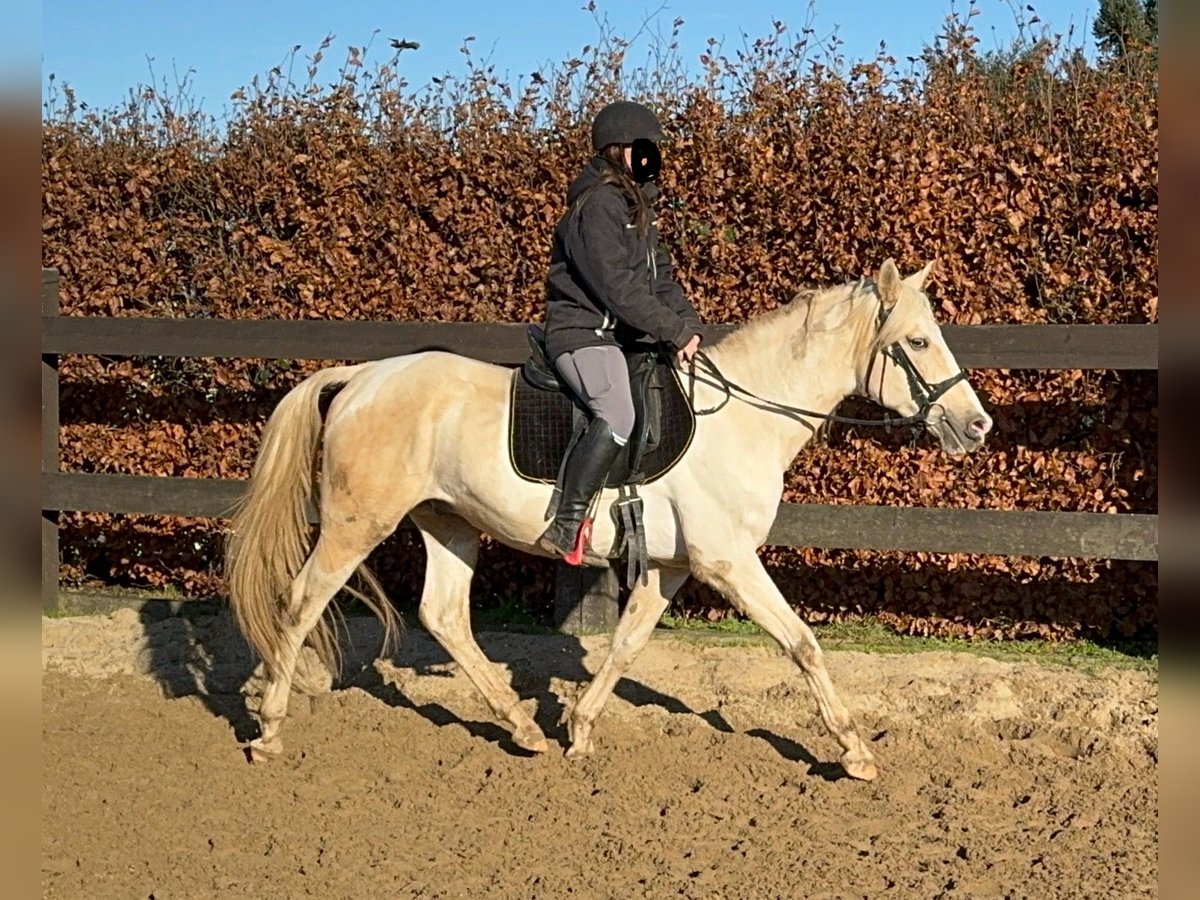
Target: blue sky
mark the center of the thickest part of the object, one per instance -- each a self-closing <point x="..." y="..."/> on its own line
<point x="101" y="47"/>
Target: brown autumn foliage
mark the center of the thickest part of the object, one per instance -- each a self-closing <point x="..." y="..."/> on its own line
<point x="1030" y="176"/>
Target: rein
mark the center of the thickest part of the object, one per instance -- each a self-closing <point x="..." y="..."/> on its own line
<point x="924" y="394"/>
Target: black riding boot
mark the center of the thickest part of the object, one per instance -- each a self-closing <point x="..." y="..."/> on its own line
<point x="586" y="471"/>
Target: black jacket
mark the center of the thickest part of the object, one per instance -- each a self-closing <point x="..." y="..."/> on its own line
<point x="606" y="284"/>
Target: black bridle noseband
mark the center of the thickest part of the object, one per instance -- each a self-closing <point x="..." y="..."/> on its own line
<point x="924" y="394"/>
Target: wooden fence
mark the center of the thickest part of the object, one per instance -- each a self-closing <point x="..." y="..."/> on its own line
<point x="586" y="600"/>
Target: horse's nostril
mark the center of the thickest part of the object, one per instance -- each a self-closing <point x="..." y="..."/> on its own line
<point x="980" y="426"/>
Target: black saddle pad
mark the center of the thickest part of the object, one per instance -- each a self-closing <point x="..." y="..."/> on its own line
<point x="541" y="423"/>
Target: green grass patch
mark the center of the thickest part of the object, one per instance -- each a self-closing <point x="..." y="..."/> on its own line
<point x="866" y="635"/>
<point x="503" y="615"/>
<point x="871" y="636"/>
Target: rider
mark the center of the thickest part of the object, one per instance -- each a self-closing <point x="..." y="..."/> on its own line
<point x="610" y="284"/>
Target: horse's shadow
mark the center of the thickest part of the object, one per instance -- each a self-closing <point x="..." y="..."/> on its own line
<point x="546" y="679"/>
<point x="194" y="649"/>
<point x="560" y="658"/>
<point x="798" y="753"/>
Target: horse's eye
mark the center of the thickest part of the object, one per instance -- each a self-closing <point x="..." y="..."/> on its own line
<point x="918" y="343"/>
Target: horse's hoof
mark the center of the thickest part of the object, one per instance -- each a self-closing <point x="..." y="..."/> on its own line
<point x="579" y="736"/>
<point x="581" y="748"/>
<point x="860" y="768"/>
<point x="259" y="750"/>
<point x="534" y="743"/>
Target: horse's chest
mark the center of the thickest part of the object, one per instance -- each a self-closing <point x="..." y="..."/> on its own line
<point x="759" y="518"/>
<point x="751" y="508"/>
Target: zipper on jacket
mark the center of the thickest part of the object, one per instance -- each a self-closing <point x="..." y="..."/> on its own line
<point x="604" y="325"/>
<point x="651" y="260"/>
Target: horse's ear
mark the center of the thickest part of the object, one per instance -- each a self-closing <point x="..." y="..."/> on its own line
<point x="917" y="279"/>
<point x="888" y="283"/>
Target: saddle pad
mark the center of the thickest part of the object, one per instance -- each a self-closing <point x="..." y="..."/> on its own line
<point x="541" y="423"/>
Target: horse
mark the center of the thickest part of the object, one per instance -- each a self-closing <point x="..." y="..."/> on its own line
<point x="423" y="435"/>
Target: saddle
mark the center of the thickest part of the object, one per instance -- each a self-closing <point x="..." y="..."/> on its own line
<point x="546" y="419"/>
<point x="546" y="416"/>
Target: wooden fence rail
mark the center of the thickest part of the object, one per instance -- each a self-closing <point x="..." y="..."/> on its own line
<point x="974" y="346"/>
<point x="585" y="599"/>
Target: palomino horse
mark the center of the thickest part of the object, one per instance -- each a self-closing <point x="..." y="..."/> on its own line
<point x="424" y="436"/>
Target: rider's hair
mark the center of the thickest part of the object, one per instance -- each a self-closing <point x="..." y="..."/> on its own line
<point x="614" y="171"/>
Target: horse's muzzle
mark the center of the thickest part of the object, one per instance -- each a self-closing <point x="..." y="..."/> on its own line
<point x="956" y="438"/>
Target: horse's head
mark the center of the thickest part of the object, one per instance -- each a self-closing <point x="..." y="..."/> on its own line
<point x="913" y="372"/>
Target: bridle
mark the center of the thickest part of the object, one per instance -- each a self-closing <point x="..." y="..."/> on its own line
<point x="924" y="394"/>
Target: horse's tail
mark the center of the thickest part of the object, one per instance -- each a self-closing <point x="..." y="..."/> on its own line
<point x="269" y="536"/>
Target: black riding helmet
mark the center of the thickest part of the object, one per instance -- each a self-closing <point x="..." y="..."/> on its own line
<point x="626" y="122"/>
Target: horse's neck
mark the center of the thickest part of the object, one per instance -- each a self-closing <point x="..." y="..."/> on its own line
<point x="817" y="382"/>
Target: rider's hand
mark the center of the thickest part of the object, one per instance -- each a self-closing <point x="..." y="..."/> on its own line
<point x="685" y="355"/>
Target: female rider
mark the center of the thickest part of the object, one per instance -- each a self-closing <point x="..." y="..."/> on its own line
<point x="610" y="285"/>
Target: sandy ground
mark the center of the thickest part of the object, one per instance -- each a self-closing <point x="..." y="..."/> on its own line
<point x="713" y="776"/>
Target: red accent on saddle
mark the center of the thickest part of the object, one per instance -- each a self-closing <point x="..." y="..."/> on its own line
<point x="583" y="540"/>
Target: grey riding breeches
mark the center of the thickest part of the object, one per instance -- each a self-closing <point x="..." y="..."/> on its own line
<point x="599" y="376"/>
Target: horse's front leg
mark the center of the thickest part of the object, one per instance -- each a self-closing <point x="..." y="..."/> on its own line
<point x="744" y="581"/>
<point x="646" y="604"/>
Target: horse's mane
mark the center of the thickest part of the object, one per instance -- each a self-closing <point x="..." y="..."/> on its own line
<point x="806" y="312"/>
<point x="815" y="310"/>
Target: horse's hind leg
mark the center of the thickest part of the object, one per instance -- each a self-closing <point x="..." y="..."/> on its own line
<point x="452" y="546"/>
<point x="642" y="612"/>
<point x="328" y="567"/>
<point x="748" y="586"/>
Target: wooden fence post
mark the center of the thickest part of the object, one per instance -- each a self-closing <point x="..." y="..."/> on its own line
<point x="50" y="452"/>
<point x="585" y="599"/>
